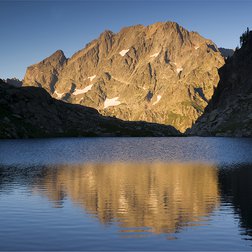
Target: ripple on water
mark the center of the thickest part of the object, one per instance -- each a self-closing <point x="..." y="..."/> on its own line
<point x="84" y="194"/>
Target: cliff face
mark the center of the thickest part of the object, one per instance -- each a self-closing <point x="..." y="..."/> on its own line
<point x="229" y="113"/>
<point x="45" y="74"/>
<point x="32" y="112"/>
<point x="160" y="73"/>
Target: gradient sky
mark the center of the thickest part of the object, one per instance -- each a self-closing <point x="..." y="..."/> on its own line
<point x="32" y="30"/>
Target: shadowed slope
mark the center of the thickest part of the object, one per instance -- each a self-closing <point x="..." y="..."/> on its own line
<point x="32" y="112"/>
<point x="229" y="113"/>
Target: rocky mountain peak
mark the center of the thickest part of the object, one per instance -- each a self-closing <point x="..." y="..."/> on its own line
<point x="58" y="58"/>
<point x="58" y="55"/>
<point x="157" y="73"/>
<point x="106" y="33"/>
<point x="45" y="73"/>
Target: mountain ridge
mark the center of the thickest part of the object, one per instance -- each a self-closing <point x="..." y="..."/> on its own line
<point x="158" y="73"/>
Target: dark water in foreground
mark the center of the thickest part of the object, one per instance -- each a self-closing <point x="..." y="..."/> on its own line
<point x="126" y="194"/>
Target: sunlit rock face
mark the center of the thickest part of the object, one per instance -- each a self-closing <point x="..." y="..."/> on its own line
<point x="159" y="73"/>
<point x="158" y="198"/>
<point x="45" y="74"/>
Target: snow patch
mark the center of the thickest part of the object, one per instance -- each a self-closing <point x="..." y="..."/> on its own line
<point x="91" y="77"/>
<point x="82" y="91"/>
<point x="158" y="99"/>
<point x="111" y="102"/>
<point x="154" y="55"/>
<point x="123" y="52"/>
<point x="59" y="95"/>
<point x="180" y="69"/>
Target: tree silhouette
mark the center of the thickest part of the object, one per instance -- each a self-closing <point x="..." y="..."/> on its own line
<point x="244" y="37"/>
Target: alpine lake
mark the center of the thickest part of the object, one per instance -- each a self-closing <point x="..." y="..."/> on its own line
<point x="129" y="194"/>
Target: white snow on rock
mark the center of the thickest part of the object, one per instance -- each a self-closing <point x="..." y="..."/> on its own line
<point x="123" y="52"/>
<point x="91" y="77"/>
<point x="180" y="69"/>
<point x="59" y="95"/>
<point x="82" y="91"/>
<point x="154" y="55"/>
<point x="111" y="102"/>
<point x="158" y="99"/>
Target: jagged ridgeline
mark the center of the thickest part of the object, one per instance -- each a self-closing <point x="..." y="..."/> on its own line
<point x="159" y="73"/>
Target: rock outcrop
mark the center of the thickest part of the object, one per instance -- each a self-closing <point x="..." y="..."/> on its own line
<point x="229" y="113"/>
<point x="160" y="73"/>
<point x="45" y="74"/>
<point x="31" y="112"/>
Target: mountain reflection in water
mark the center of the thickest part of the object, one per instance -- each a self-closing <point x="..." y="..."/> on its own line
<point x="140" y="198"/>
<point x="158" y="198"/>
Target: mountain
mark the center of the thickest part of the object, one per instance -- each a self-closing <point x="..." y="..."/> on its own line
<point x="159" y="73"/>
<point x="229" y="113"/>
<point x="31" y="112"/>
<point x="45" y="74"/>
<point x="14" y="82"/>
<point x="226" y="52"/>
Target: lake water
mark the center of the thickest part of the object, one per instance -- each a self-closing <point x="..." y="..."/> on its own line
<point x="126" y="194"/>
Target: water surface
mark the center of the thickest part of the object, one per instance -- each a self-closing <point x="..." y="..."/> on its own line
<point x="126" y="194"/>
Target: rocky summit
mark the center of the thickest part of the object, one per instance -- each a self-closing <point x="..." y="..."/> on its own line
<point x="229" y="113"/>
<point x="27" y="112"/>
<point x="45" y="74"/>
<point x="159" y="73"/>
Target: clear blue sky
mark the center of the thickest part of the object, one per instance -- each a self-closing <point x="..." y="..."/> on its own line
<point x="32" y="30"/>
